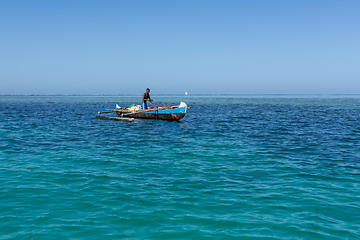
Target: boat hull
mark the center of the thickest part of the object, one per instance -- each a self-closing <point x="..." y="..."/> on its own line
<point x="153" y="115"/>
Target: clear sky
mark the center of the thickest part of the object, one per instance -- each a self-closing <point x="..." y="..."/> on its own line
<point x="173" y="46"/>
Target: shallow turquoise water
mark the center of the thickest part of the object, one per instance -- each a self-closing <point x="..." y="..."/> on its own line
<point x="236" y="167"/>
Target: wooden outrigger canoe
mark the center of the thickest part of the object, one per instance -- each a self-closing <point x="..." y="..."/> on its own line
<point x="171" y="113"/>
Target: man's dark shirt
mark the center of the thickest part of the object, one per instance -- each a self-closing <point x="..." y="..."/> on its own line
<point x="146" y="96"/>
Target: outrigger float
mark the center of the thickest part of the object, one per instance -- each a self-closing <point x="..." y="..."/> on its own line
<point x="171" y="113"/>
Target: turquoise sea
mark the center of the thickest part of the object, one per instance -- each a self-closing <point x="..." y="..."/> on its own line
<point x="236" y="167"/>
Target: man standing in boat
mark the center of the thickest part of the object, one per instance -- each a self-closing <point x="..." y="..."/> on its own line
<point x="146" y="97"/>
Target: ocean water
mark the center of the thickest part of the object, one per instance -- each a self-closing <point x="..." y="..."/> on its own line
<point x="236" y="167"/>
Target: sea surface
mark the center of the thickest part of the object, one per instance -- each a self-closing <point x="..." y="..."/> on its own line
<point x="236" y="167"/>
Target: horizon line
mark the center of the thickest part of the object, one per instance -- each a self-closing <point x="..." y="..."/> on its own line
<point x="179" y="94"/>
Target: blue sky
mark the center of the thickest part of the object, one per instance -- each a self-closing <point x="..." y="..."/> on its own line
<point x="173" y="46"/>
